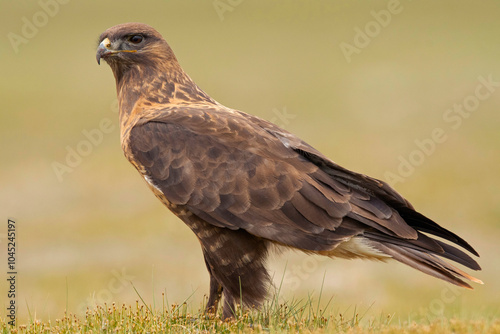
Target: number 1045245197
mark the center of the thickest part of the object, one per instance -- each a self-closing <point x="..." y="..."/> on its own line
<point x="11" y="244"/>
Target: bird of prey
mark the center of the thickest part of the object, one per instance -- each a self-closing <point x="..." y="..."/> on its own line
<point x="244" y="185"/>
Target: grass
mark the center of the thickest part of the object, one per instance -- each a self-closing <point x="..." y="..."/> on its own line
<point x="294" y="317"/>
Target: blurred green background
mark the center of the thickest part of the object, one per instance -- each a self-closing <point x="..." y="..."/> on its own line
<point x="83" y="235"/>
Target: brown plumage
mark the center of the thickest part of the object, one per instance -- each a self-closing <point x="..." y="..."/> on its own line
<point x="242" y="184"/>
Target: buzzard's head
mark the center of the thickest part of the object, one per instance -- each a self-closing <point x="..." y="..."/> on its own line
<point x="133" y="44"/>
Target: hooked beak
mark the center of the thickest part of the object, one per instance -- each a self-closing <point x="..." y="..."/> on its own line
<point x="104" y="50"/>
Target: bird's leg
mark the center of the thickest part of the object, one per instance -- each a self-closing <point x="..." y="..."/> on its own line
<point x="228" y="310"/>
<point x="235" y="263"/>
<point x="215" y="292"/>
<point x="214" y="296"/>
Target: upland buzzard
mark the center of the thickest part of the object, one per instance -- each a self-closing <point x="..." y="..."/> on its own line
<point x="243" y="184"/>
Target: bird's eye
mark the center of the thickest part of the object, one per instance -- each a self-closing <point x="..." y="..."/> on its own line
<point x="136" y="39"/>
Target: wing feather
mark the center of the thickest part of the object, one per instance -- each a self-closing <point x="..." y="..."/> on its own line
<point x="236" y="171"/>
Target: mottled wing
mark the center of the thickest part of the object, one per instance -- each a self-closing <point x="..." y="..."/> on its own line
<point x="234" y="173"/>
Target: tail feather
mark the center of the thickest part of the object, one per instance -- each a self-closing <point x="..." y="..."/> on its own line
<point x="421" y="223"/>
<point x="426" y="244"/>
<point x="422" y="241"/>
<point x="458" y="256"/>
<point x="425" y="262"/>
<point x="424" y="253"/>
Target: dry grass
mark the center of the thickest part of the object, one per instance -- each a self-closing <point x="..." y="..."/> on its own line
<point x="299" y="317"/>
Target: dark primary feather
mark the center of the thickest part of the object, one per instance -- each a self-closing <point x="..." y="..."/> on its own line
<point x="242" y="183"/>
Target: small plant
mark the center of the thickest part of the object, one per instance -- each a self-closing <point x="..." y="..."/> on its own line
<point x="295" y="316"/>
